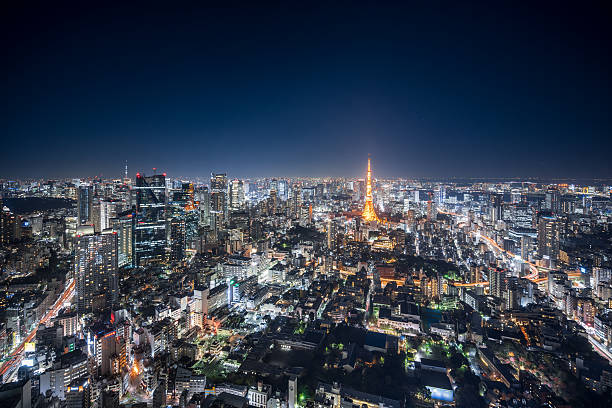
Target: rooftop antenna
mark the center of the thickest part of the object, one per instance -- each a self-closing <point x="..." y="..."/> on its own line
<point x="126" y="174"/>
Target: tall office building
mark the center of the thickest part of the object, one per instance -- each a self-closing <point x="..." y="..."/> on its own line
<point x="273" y="202"/>
<point x="95" y="271"/>
<point x="177" y="239"/>
<point x="319" y="191"/>
<point x="519" y="215"/>
<point x="188" y="193"/>
<point x="9" y="226"/>
<point x="150" y="230"/>
<point x="551" y="201"/>
<point x="441" y="196"/>
<point x="525" y="247"/>
<point x="548" y="237"/>
<point x="203" y="198"/>
<point x="218" y="198"/>
<point x="432" y="212"/>
<point x="236" y="195"/>
<point x="273" y="185"/>
<point x="124" y="224"/>
<point x="182" y="198"/>
<point x="496" y="208"/>
<point x="85" y="205"/>
<point x="95" y="216"/>
<point x="104" y="211"/>
<point x="332" y="233"/>
<point x="283" y="190"/>
<point x="296" y="200"/>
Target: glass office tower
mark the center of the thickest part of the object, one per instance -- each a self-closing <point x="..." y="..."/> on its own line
<point x="150" y="231"/>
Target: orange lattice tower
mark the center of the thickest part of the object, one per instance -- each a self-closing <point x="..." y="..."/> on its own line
<point x="368" y="210"/>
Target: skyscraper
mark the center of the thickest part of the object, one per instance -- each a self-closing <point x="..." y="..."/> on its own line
<point x="95" y="270"/>
<point x="551" y="201"/>
<point x="497" y="278"/>
<point x="496" y="208"/>
<point x="203" y="197"/>
<point x="548" y="237"/>
<point x="369" y="214"/>
<point x="9" y="226"/>
<point x="177" y="239"/>
<point x="84" y="205"/>
<point x="218" y="198"/>
<point x="441" y="195"/>
<point x="124" y="224"/>
<point x="332" y="231"/>
<point x="283" y="190"/>
<point x="107" y="211"/>
<point x="274" y="185"/>
<point x="296" y="198"/>
<point x="236" y="195"/>
<point x="150" y="231"/>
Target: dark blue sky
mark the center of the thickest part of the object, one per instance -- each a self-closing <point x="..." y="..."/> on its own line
<point x="445" y="89"/>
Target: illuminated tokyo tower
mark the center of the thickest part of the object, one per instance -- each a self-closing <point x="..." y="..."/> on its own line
<point x="368" y="210"/>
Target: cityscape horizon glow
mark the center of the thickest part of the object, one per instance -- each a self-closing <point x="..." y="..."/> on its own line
<point x="306" y="205"/>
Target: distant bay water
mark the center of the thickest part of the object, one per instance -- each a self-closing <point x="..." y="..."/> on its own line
<point x="28" y="205"/>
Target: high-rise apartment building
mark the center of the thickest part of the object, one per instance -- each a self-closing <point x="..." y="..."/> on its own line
<point x="548" y="237"/>
<point x="497" y="279"/>
<point x="95" y="270"/>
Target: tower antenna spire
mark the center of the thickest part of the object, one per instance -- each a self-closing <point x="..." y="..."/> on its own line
<point x="369" y="214"/>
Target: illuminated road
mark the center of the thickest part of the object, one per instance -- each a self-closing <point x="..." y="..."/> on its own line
<point x="533" y="276"/>
<point x="600" y="348"/>
<point x="534" y="269"/>
<point x="17" y="354"/>
<point x="400" y="282"/>
<point x="597" y="346"/>
<point x="469" y="285"/>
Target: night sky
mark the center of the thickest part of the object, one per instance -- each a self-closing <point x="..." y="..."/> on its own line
<point x="295" y="88"/>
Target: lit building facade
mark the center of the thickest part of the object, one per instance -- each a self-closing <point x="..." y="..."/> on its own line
<point x="150" y="229"/>
<point x="95" y="264"/>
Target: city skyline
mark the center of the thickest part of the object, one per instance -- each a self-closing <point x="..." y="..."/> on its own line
<point x="432" y="91"/>
<point x="306" y="205"/>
